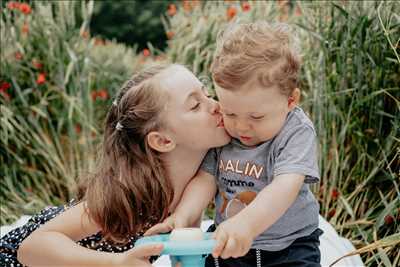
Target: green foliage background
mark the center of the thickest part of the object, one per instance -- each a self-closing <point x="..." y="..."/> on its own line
<point x="131" y="22"/>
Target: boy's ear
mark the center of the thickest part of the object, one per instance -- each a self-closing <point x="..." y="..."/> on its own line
<point x="294" y="98"/>
<point x="160" y="142"/>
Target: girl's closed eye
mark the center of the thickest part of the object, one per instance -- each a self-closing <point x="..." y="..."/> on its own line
<point x="195" y="106"/>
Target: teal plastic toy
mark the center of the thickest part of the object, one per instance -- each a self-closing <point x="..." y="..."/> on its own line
<point x="189" y="253"/>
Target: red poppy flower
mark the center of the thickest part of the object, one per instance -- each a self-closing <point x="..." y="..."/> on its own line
<point x="99" y="41"/>
<point x="37" y="64"/>
<point x="18" y="56"/>
<point x="102" y="94"/>
<point x="331" y="213"/>
<point x="41" y="79"/>
<point x="13" y="5"/>
<point x="170" y="34"/>
<point x="171" y="10"/>
<point x="146" y="52"/>
<point x="4" y="86"/>
<point x="245" y="6"/>
<point x="25" y="8"/>
<point x="231" y="12"/>
<point x="84" y="34"/>
<point x="389" y="219"/>
<point x="335" y="193"/>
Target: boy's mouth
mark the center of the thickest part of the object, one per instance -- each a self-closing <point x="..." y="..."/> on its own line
<point x="245" y="138"/>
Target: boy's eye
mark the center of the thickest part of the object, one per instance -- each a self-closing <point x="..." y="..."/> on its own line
<point x="257" y="117"/>
<point x="230" y="114"/>
<point x="196" y="106"/>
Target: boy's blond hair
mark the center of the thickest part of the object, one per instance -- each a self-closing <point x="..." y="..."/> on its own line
<point x="265" y="51"/>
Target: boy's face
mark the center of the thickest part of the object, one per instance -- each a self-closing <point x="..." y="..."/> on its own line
<point x="254" y="114"/>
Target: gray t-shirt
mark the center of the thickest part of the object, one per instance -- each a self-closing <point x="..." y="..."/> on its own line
<point x="241" y="172"/>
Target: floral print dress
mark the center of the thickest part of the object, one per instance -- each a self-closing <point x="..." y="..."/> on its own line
<point x="10" y="243"/>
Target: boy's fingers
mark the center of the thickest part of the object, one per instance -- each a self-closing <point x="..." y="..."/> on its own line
<point x="158" y="228"/>
<point x="229" y="249"/>
<point x="147" y="250"/>
<point x="221" y="237"/>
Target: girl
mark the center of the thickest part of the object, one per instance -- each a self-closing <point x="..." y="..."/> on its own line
<point x="156" y="134"/>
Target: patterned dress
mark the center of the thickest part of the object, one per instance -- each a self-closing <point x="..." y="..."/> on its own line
<point x="10" y="243"/>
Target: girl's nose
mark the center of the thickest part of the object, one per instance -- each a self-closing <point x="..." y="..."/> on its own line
<point x="214" y="107"/>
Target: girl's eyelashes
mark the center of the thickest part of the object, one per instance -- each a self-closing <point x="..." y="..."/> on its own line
<point x="196" y="106"/>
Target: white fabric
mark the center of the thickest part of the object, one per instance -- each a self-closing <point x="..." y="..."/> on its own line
<point x="7" y="228"/>
<point x="332" y="245"/>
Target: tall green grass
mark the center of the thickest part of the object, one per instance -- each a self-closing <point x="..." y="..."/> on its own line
<point x="352" y="76"/>
<point x="49" y="130"/>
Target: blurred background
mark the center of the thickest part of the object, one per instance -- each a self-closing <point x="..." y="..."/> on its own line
<point x="131" y="22"/>
<point x="63" y="61"/>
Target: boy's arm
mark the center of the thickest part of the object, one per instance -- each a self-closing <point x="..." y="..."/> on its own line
<point x="235" y="236"/>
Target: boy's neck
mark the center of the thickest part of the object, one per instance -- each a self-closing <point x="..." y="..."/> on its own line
<point x="181" y="166"/>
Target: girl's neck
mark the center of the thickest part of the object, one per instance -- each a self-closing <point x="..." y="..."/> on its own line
<point x="181" y="165"/>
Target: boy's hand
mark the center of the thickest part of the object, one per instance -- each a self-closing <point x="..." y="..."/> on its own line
<point x="234" y="239"/>
<point x="170" y="223"/>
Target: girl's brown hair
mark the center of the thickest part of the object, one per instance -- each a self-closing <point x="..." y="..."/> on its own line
<point x="130" y="190"/>
<point x="268" y="52"/>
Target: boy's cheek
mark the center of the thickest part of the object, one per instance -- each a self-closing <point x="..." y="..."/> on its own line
<point x="229" y="128"/>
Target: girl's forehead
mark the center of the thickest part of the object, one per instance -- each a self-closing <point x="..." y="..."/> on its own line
<point x="179" y="82"/>
<point x="177" y="76"/>
<point x="180" y="85"/>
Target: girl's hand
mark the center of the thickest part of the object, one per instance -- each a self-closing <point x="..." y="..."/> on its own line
<point x="138" y="256"/>
<point x="170" y="223"/>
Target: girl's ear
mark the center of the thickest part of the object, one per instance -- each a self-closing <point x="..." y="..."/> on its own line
<point x="294" y="98"/>
<point x="160" y="142"/>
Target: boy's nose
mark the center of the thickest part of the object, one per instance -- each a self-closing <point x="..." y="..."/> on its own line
<point x="241" y="126"/>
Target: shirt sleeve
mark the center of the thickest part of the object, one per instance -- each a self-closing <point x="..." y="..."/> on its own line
<point x="297" y="153"/>
<point x="210" y="162"/>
